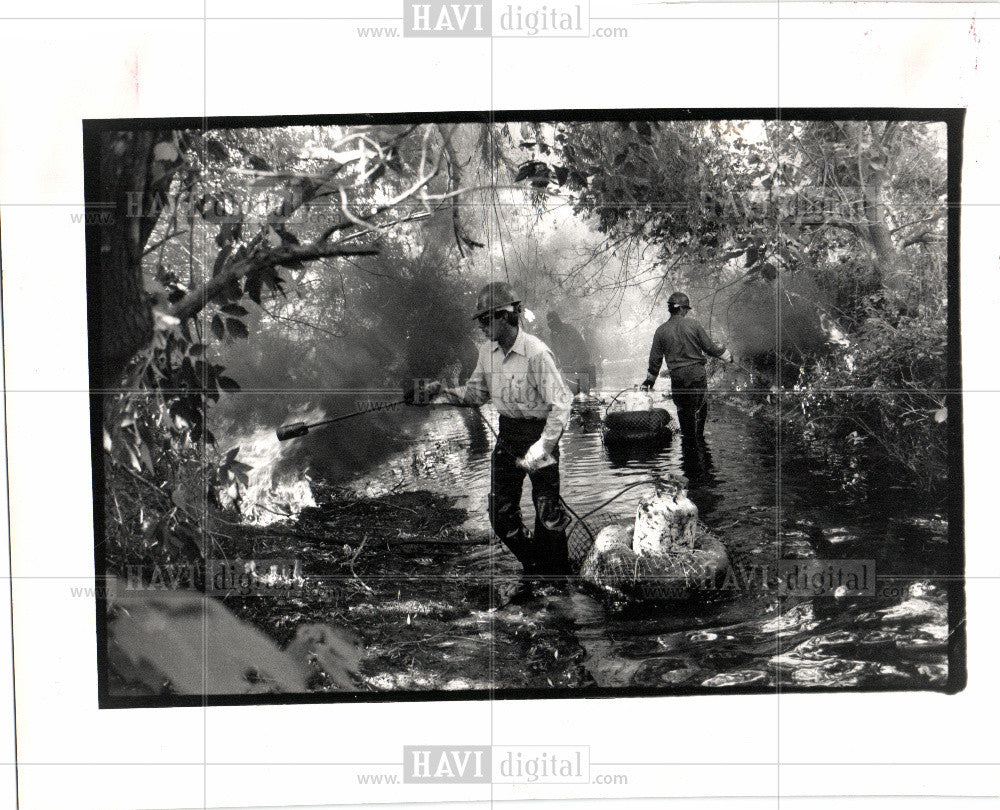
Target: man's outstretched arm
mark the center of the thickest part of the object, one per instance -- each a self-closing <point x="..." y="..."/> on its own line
<point x="712" y="348"/>
<point x="472" y="394"/>
<point x="655" y="360"/>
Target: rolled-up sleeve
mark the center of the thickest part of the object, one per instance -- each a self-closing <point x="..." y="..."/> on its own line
<point x="552" y="389"/>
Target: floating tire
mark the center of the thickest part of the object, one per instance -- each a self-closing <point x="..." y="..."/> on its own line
<point x="612" y="566"/>
<point x="637" y="427"/>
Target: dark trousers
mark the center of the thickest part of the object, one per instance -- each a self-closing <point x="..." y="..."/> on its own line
<point x="545" y="552"/>
<point x="689" y="389"/>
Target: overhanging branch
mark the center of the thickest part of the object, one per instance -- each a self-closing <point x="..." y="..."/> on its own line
<point x="192" y="303"/>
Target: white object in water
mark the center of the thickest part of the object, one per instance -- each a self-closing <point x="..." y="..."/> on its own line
<point x="665" y="521"/>
<point x="638" y="401"/>
<point x="615" y="536"/>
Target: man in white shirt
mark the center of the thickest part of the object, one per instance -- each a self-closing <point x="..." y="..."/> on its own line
<point x="518" y="373"/>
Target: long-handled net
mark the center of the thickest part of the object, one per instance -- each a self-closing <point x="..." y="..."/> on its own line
<point x="670" y="575"/>
<point x="583" y="529"/>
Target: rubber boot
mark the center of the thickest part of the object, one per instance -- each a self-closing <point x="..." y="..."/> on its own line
<point x="520" y="545"/>
<point x="558" y="558"/>
<point x="553" y="559"/>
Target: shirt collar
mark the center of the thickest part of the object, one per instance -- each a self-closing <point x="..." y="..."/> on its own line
<point x="518" y="344"/>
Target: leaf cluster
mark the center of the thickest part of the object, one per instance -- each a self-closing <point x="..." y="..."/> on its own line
<point x="882" y="400"/>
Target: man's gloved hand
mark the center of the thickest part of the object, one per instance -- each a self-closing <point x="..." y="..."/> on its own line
<point x="420" y="392"/>
<point x="536" y="457"/>
<point x="646" y="385"/>
<point x="727" y="356"/>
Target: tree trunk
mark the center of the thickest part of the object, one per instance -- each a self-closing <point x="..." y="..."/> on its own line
<point x="135" y="171"/>
<point x="463" y="144"/>
<point x="890" y="265"/>
<point x="873" y="163"/>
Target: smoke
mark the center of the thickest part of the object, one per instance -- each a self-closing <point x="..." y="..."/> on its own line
<point x="784" y="316"/>
<point x="347" y="336"/>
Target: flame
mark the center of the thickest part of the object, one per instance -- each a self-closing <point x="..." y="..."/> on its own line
<point x="271" y="496"/>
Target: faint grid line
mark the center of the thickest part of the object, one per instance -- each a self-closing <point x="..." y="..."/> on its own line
<point x="777" y="430"/>
<point x="932" y="201"/>
<point x="89" y="576"/>
<point x="805" y="18"/>
<point x="202" y="315"/>
<point x="749" y="796"/>
<point x="10" y="545"/>
<point x="344" y="392"/>
<point x="191" y="19"/>
<point x="784" y="18"/>
<point x="278" y="593"/>
<point x="346" y="764"/>
<point x="492" y="557"/>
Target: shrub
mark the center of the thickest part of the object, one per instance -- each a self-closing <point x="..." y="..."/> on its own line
<point x="881" y="401"/>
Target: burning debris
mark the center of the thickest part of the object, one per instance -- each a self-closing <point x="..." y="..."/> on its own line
<point x="272" y="491"/>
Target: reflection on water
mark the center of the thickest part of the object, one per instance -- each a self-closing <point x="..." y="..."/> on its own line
<point x="762" y="509"/>
<point x="450" y="452"/>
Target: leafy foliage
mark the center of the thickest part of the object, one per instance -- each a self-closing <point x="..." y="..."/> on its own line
<point x="692" y="186"/>
<point x="256" y="225"/>
<point x="824" y="238"/>
<point x="771" y="197"/>
<point x="883" y="402"/>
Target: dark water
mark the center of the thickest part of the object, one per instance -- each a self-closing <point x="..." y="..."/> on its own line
<point x="764" y="498"/>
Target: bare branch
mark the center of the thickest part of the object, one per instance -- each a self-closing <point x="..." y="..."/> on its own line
<point x="192" y="303"/>
<point x="918" y="222"/>
<point x="299" y="321"/>
<point x="162" y="241"/>
<point x="926" y="237"/>
<point x="366" y="222"/>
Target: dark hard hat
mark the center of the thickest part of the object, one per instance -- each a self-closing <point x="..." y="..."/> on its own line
<point x="678" y="300"/>
<point x="493" y="296"/>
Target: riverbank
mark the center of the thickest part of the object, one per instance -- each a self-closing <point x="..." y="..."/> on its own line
<point x="424" y="597"/>
<point x="401" y="561"/>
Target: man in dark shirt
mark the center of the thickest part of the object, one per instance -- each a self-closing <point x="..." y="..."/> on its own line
<point x="684" y="344"/>
<point x="571" y="353"/>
